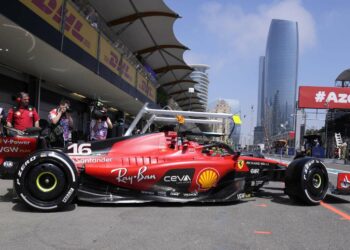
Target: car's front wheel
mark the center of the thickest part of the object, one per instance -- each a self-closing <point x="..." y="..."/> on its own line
<point x="307" y="180"/>
<point x="46" y="181"/>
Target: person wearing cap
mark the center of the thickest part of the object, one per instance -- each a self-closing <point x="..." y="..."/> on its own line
<point x="22" y="116"/>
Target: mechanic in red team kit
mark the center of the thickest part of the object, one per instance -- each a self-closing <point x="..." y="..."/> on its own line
<point x="22" y="116"/>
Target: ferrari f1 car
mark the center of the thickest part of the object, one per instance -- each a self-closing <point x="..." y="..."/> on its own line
<point x="161" y="167"/>
<point x="13" y="149"/>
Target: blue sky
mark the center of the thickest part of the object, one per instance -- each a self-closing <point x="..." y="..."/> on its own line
<point x="230" y="35"/>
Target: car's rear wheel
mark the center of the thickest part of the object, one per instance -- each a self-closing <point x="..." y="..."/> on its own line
<point x="307" y="180"/>
<point x="46" y="181"/>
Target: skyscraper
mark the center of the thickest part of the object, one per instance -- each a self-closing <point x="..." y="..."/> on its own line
<point x="280" y="78"/>
<point x="259" y="129"/>
<point x="200" y="75"/>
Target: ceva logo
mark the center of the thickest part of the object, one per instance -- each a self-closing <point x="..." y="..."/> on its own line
<point x="178" y="179"/>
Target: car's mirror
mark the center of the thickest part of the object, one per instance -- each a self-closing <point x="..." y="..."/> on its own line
<point x="236" y="154"/>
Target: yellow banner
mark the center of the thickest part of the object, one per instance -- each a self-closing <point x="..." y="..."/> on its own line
<point x="127" y="72"/>
<point x="110" y="57"/>
<point x="146" y="87"/>
<point x="49" y="10"/>
<point x="237" y="119"/>
<point x="79" y="31"/>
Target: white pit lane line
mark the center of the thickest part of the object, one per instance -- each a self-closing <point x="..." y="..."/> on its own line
<point x="336" y="171"/>
<point x="329" y="170"/>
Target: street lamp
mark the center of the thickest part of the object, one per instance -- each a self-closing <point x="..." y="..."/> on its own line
<point x="190" y="90"/>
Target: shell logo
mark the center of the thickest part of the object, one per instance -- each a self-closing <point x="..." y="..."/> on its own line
<point x="207" y="178"/>
<point x="240" y="164"/>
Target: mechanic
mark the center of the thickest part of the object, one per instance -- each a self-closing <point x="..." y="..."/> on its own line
<point x="99" y="125"/>
<point x="22" y="116"/>
<point x="61" y="124"/>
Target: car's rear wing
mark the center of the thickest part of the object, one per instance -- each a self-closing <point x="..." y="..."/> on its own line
<point x="172" y="116"/>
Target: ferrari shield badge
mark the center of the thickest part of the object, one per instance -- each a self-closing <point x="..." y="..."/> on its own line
<point x="240" y="164"/>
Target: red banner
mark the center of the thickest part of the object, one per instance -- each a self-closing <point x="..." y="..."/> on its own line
<point x="343" y="182"/>
<point x="324" y="97"/>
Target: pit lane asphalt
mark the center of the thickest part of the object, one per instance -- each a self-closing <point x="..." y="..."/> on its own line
<point x="268" y="221"/>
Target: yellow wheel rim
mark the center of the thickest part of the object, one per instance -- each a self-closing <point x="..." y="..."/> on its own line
<point x="317" y="181"/>
<point x="46" y="189"/>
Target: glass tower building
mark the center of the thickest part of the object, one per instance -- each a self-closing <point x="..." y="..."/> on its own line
<point x="259" y="129"/>
<point x="200" y="75"/>
<point x="280" y="78"/>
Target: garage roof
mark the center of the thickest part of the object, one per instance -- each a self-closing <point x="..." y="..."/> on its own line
<point x="146" y="28"/>
<point x="344" y="76"/>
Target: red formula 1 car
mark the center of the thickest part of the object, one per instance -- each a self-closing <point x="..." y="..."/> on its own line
<point x="158" y="167"/>
<point x="13" y="149"/>
<point x="162" y="167"/>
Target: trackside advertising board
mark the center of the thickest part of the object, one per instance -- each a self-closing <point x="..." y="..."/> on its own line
<point x="343" y="182"/>
<point x="77" y="29"/>
<point x="324" y="97"/>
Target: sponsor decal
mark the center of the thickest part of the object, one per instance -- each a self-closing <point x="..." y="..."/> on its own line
<point x="8" y="164"/>
<point x="79" y="149"/>
<point x="207" y="178"/>
<point x="254" y="171"/>
<point x="14" y="142"/>
<point x="162" y="193"/>
<point x="122" y="176"/>
<point x="92" y="160"/>
<point x="9" y="149"/>
<point x="195" y="194"/>
<point x="345" y="183"/>
<point x="176" y="194"/>
<point x="240" y="164"/>
<point x="243" y="196"/>
<point x="257" y="163"/>
<point x="68" y="195"/>
<point x="178" y="179"/>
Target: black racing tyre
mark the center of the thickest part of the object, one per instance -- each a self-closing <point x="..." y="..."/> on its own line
<point x="306" y="180"/>
<point x="47" y="180"/>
